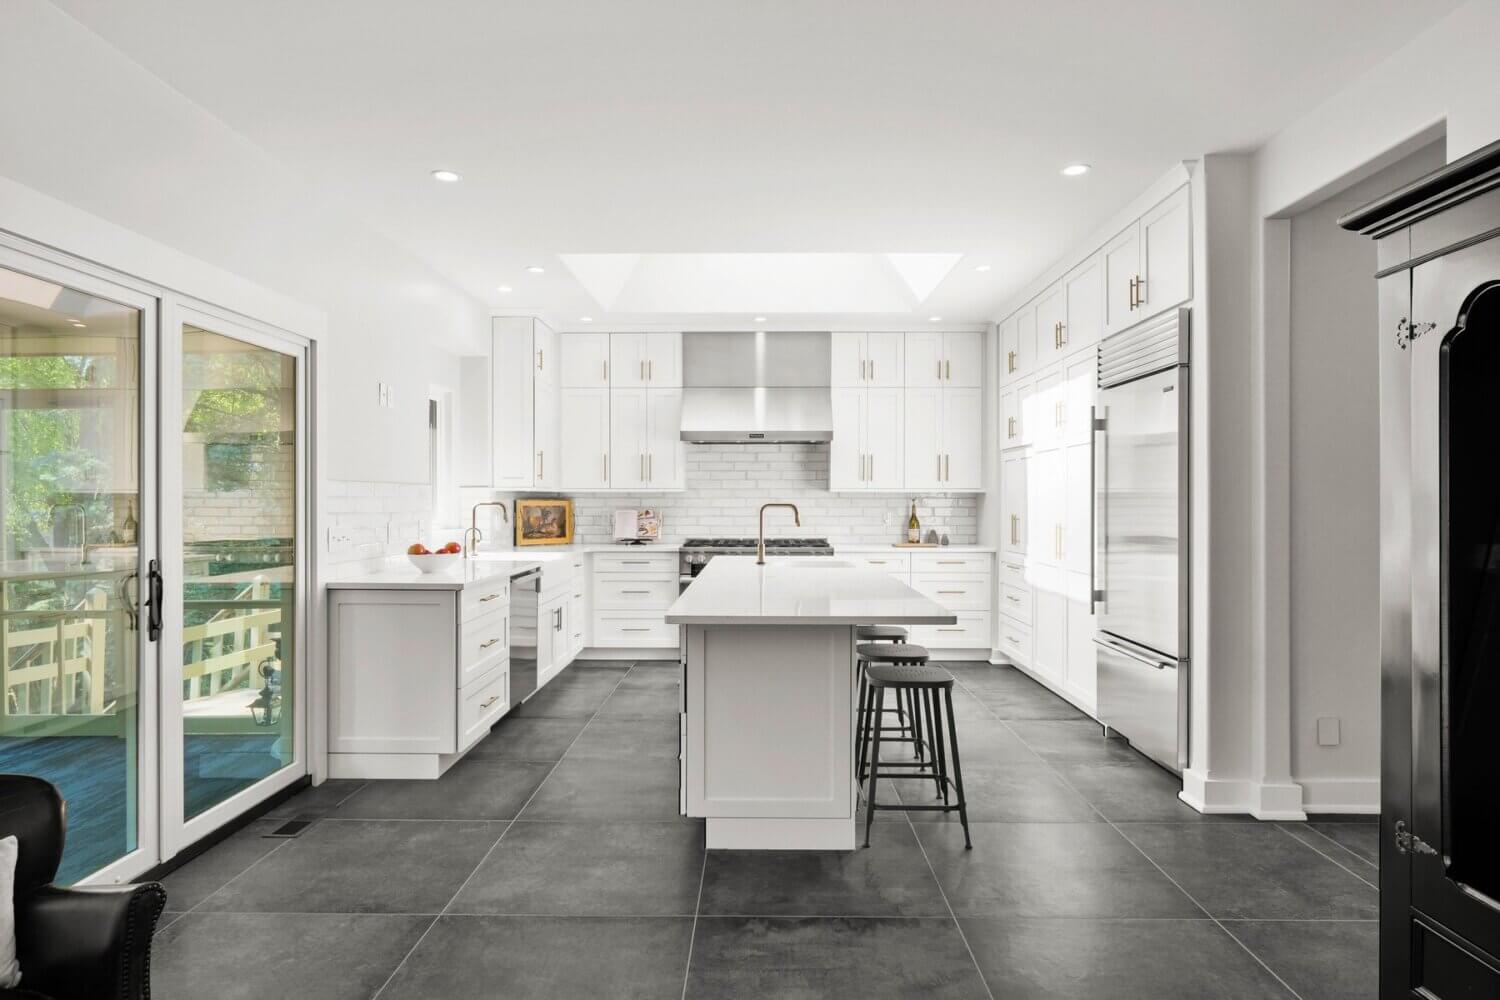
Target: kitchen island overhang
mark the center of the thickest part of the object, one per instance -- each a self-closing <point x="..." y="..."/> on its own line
<point x="768" y="698"/>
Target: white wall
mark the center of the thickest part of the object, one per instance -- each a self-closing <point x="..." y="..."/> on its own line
<point x="1334" y="490"/>
<point x="88" y="127"/>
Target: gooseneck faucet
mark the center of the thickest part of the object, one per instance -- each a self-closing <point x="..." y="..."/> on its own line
<point x="472" y="534"/>
<point x="760" y="544"/>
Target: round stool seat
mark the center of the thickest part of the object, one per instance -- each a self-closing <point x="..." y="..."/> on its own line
<point x="880" y="633"/>
<point x="892" y="652"/>
<point x="882" y="675"/>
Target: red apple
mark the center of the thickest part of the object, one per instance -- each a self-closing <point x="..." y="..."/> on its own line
<point x="452" y="548"/>
<point x="418" y="550"/>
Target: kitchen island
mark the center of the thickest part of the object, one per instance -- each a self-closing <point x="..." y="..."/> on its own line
<point x="769" y="685"/>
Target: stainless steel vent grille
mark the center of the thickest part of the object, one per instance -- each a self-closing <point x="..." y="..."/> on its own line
<point x="1154" y="346"/>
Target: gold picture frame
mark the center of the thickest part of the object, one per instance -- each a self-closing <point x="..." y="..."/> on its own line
<point x="544" y="522"/>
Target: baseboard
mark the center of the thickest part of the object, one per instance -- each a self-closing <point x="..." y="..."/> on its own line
<point x="1229" y="796"/>
<point x="1277" y="801"/>
<point x="1341" y="795"/>
<point x="1074" y="698"/>
<point x="627" y="653"/>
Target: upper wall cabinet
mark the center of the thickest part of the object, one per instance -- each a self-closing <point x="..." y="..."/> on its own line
<point x="524" y="403"/>
<point x="1149" y="266"/>
<point x="863" y="360"/>
<point x="645" y="360"/>
<point x="866" y="450"/>
<point x="955" y="358"/>
<point x="585" y="360"/>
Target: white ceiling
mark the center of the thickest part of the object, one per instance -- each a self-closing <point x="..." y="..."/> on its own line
<point x="805" y="127"/>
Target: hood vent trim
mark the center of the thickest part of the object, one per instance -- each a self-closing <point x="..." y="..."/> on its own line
<point x="756" y="388"/>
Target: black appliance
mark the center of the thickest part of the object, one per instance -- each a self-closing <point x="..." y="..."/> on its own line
<point x="1438" y="277"/>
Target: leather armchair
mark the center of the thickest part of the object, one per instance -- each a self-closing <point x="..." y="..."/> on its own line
<point x="86" y="943"/>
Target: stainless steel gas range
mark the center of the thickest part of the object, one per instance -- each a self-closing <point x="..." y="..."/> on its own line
<point x="696" y="552"/>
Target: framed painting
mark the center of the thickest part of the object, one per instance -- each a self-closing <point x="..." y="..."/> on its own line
<point x="544" y="522"/>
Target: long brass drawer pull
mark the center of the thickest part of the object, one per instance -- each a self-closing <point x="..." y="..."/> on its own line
<point x="490" y="597"/>
<point x="493" y="698"/>
<point x="487" y="645"/>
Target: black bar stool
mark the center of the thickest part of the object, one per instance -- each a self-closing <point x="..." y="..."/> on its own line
<point x="908" y="727"/>
<point x="933" y="688"/>
<point x="891" y="634"/>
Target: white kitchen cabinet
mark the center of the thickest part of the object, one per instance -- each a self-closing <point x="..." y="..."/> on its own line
<point x="666" y="459"/>
<point x="630" y="593"/>
<point x="1025" y="339"/>
<point x="1015" y="521"/>
<point x="963" y="583"/>
<point x="645" y="439"/>
<point x="954" y="358"/>
<point x="924" y="438"/>
<point x="1045" y="408"/>
<point x="547" y="434"/>
<point x="1013" y="406"/>
<point x="866" y="452"/>
<point x="1049" y="631"/>
<point x="553" y="639"/>
<point x="585" y="431"/>
<point x="867" y="359"/>
<point x="1051" y="319"/>
<point x="1005" y="336"/>
<point x="1148" y="267"/>
<point x="512" y="402"/>
<point x="1076" y="540"/>
<point x="1081" y="667"/>
<point x="1120" y="265"/>
<point x="943" y="439"/>
<point x="645" y="360"/>
<point x="1083" y="300"/>
<point x="579" y="613"/>
<point x="584" y="363"/>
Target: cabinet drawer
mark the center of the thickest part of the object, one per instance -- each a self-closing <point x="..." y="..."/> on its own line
<point x="633" y="630"/>
<point x="1013" y="573"/>
<point x="1014" y="639"/>
<point x="895" y="563"/>
<point x="483" y="598"/>
<point x="482" y="643"/>
<point x="971" y="593"/>
<point x="955" y="562"/>
<point x="617" y="593"/>
<point x="637" y="565"/>
<point x="1016" y="601"/>
<point x="971" y="631"/>
<point x="481" y="703"/>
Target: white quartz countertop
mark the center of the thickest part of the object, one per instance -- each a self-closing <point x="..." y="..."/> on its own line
<point x="733" y="590"/>
<point x="400" y="574"/>
<point x="893" y="547"/>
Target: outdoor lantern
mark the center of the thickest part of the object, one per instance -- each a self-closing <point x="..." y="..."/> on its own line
<point x="266" y="708"/>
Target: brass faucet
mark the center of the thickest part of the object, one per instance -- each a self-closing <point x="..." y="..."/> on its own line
<point x="760" y="544"/>
<point x="472" y="534"/>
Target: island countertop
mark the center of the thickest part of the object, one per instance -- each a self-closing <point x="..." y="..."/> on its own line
<point x="801" y="590"/>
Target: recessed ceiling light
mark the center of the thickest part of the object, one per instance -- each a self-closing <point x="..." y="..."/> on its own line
<point x="760" y="319"/>
<point x="981" y="267"/>
<point x="447" y="176"/>
<point x="536" y="269"/>
<point x="585" y="319"/>
<point x="934" y="319"/>
<point x="1075" y="170"/>
<point x="504" y="289"/>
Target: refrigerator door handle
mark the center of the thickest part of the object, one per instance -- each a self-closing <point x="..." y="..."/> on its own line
<point x="1119" y="647"/>
<point x="1096" y="427"/>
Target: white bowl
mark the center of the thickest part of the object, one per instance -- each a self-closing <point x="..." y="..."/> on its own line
<point x="436" y="562"/>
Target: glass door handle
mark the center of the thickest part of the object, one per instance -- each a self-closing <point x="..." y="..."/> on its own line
<point x="153" y="602"/>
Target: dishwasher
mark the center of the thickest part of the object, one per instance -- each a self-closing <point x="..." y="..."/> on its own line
<point x="525" y="595"/>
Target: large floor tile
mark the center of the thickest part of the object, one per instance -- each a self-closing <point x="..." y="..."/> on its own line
<point x="1049" y="870"/>
<point x="1004" y="793"/>
<point x="520" y="738"/>
<point x="990" y="741"/>
<point x="890" y="879"/>
<point x="1135" y="791"/>
<point x="1253" y="871"/>
<point x="472" y="789"/>
<point x="618" y="666"/>
<point x="644" y="701"/>
<point x="1330" y="960"/>
<point x="316" y="800"/>
<point x="575" y="694"/>
<point x="250" y="956"/>
<point x="607" y="789"/>
<point x="1010" y="694"/>
<point x="596" y="868"/>
<point x="363" y="866"/>
<point x="1360" y="839"/>
<point x="547" y="958"/>
<point x="755" y="958"/>
<point x="611" y="739"/>
<point x="1050" y="959"/>
<point x="210" y="871"/>
<point x="1073" y="742"/>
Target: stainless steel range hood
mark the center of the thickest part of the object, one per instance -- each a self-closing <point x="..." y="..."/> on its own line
<point x="756" y="388"/>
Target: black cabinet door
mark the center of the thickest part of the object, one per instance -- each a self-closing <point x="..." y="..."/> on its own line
<point x="1454" y="345"/>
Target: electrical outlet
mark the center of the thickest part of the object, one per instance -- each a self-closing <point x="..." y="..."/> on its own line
<point x="340" y="540"/>
<point x="1328" y="731"/>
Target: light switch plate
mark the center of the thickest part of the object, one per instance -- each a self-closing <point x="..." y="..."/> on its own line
<point x="1328" y="731"/>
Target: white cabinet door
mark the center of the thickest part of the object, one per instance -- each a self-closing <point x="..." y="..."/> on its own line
<point x="1120" y="261"/>
<point x="585" y="360"/>
<point x="924" y="359"/>
<point x="962" y="439"/>
<point x="963" y="359"/>
<point x="848" y="365"/>
<point x="1166" y="252"/>
<point x="923" y="437"/>
<point x="1051" y="315"/>
<point x="663" y="353"/>
<point x="1043" y="494"/>
<point x="548" y="437"/>
<point x="1010" y="425"/>
<point x="1081" y="671"/>
<point x="1046" y="407"/>
<point x="846" y="452"/>
<point x="884" y="356"/>
<point x="883" y="428"/>
<point x="1026" y="340"/>
<point x="665" y="455"/>
<point x="1077" y="508"/>
<point x="628" y="420"/>
<point x="1049" y="625"/>
<point x="548" y="356"/>
<point x="1083" y="295"/>
<point x="1080" y="372"/>
<point x="1025" y="393"/>
<point x="1010" y="362"/>
<point x="1013" y="496"/>
<point x="627" y="360"/>
<point x="512" y="411"/>
<point x="584" y="455"/>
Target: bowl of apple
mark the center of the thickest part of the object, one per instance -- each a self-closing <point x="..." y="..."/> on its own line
<point x="435" y="560"/>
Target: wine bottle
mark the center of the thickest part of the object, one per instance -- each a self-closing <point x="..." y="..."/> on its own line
<point x="913" y="526"/>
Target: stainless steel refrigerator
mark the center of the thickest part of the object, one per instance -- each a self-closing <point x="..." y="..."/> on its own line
<point x="1141" y="517"/>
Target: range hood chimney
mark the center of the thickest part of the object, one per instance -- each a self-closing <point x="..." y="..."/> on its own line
<point x="756" y="388"/>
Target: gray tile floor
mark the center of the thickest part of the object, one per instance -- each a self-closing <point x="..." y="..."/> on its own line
<point x="551" y="863"/>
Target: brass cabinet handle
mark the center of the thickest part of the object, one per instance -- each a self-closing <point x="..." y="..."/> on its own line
<point x="1140" y="291"/>
<point x="872" y="467"/>
<point x="862" y="375"/>
<point x="1012" y="598"/>
<point x="624" y="629"/>
<point x="1010" y="361"/>
<point x="635" y="591"/>
<point x="487" y="645"/>
<point x="650" y="467"/>
<point x="947" y="468"/>
<point x="541" y="359"/>
<point x="872" y="369"/>
<point x="493" y="698"/>
<point x="948" y="367"/>
<point x="635" y="562"/>
<point x="490" y="597"/>
<point x="650" y="370"/>
<point x="953" y="592"/>
<point x="605" y="372"/>
<point x="940" y="466"/>
<point x="1062" y="334"/>
<point x="940" y="369"/>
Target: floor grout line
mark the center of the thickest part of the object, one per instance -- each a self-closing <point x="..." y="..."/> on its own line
<point x="465" y="884"/>
<point x="687" y="969"/>
<point x="1330" y="857"/>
